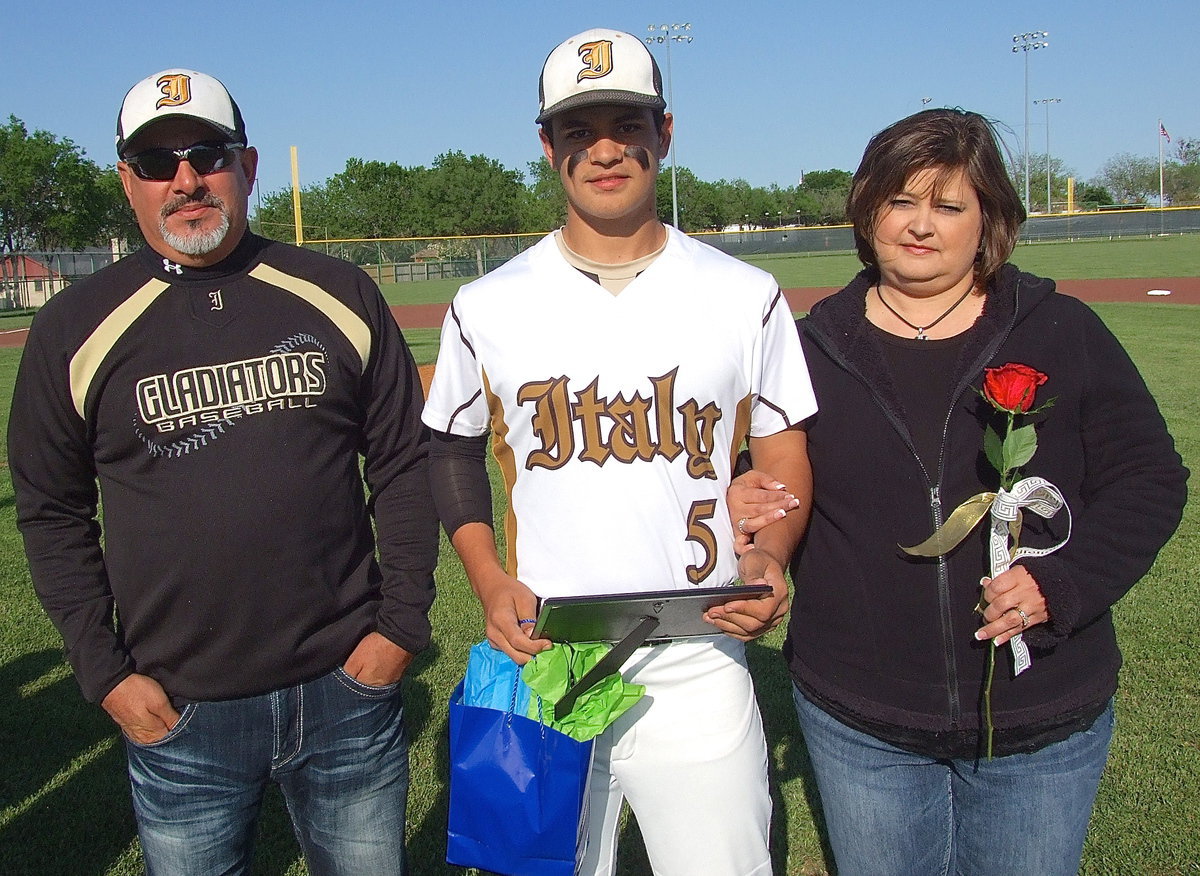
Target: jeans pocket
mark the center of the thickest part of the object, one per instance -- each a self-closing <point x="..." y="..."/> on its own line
<point x="366" y="690"/>
<point x="174" y="733"/>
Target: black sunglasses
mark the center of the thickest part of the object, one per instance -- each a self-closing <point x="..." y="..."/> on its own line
<point x="161" y="164"/>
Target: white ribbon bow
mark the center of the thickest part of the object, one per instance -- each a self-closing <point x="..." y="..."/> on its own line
<point x="1043" y="499"/>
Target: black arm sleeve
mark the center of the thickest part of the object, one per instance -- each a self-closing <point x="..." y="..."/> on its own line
<point x="458" y="473"/>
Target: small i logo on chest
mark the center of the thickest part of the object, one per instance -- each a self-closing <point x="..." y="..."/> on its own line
<point x="210" y="307"/>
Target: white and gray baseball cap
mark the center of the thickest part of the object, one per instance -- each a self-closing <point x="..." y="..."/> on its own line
<point x="179" y="93"/>
<point x="599" y="66"/>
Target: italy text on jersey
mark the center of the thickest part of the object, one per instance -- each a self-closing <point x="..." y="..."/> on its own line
<point x="620" y="429"/>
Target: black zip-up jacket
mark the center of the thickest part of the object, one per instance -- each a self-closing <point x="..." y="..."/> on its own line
<point x="886" y="640"/>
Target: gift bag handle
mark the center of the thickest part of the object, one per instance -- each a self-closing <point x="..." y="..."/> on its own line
<point x="607" y="665"/>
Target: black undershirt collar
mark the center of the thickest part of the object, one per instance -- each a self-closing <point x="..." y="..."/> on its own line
<point x="164" y="268"/>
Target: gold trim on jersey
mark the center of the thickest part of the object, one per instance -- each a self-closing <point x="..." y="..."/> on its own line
<point x="86" y="361"/>
<point x="741" y="431"/>
<point x="357" y="332"/>
<point x="506" y="460"/>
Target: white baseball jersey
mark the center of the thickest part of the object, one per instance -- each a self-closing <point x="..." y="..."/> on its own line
<point x="616" y="419"/>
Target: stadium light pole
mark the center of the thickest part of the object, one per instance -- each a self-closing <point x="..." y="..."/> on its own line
<point x="1026" y="43"/>
<point x="1046" y="101"/>
<point x="670" y="33"/>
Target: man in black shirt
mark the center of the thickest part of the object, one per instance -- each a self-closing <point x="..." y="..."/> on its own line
<point x="236" y="623"/>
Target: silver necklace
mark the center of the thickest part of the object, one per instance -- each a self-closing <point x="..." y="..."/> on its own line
<point x="921" y="329"/>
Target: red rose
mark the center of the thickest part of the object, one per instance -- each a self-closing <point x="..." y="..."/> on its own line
<point x="1012" y="387"/>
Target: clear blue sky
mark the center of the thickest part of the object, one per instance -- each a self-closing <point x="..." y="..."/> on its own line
<point x="766" y="90"/>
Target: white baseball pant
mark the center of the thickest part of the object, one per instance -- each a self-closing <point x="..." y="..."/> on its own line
<point x="691" y="759"/>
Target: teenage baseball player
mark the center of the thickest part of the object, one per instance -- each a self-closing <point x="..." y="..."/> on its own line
<point x="618" y="367"/>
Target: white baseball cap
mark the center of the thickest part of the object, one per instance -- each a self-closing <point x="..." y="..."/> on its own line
<point x="599" y="66"/>
<point x="179" y="93"/>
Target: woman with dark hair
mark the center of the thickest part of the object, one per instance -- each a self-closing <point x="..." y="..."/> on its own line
<point x="889" y="652"/>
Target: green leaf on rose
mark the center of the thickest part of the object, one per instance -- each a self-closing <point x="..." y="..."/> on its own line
<point x="992" y="449"/>
<point x="1019" y="447"/>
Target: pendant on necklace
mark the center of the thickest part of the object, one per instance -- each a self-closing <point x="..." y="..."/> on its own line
<point x="921" y="336"/>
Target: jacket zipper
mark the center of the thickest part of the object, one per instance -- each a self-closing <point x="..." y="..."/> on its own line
<point x="953" y="703"/>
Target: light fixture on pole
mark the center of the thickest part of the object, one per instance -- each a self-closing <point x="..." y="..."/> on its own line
<point x="670" y="33"/>
<point x="1025" y="43"/>
<point x="1046" y="101"/>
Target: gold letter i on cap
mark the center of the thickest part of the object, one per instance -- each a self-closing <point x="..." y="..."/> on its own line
<point x="176" y="88"/>
<point x="597" y="57"/>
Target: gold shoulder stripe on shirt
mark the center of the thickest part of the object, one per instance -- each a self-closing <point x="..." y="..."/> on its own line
<point x="741" y="431"/>
<point x="506" y="460"/>
<point x="86" y="361"/>
<point x="357" y="332"/>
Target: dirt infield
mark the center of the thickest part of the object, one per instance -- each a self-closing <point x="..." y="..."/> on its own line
<point x="1184" y="290"/>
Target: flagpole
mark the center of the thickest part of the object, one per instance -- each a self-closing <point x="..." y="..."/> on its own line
<point x="1161" y="201"/>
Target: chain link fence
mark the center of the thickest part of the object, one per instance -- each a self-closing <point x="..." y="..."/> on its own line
<point x="413" y="259"/>
<point x="28" y="279"/>
<point x="1100" y="225"/>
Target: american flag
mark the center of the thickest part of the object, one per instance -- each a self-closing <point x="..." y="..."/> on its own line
<point x="1163" y="132"/>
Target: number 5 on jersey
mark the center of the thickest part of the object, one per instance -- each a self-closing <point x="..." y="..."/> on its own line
<point x="702" y="534"/>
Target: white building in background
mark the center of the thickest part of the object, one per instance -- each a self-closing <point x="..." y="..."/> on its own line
<point x="26" y="282"/>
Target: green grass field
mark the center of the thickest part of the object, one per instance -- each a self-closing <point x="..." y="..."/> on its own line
<point x="64" y="802"/>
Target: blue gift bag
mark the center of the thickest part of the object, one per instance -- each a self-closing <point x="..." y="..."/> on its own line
<point x="518" y="793"/>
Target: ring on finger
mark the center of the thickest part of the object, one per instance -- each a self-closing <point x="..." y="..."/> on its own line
<point x="1024" y="616"/>
<point x="742" y="525"/>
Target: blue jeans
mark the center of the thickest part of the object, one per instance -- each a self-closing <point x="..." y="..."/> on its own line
<point x="337" y="750"/>
<point x="889" y="811"/>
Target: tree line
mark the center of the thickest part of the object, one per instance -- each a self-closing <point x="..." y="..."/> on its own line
<point x="53" y="197"/>
<point x="461" y="195"/>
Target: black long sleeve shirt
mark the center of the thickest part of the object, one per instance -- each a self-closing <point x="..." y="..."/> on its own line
<point x="220" y="415"/>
